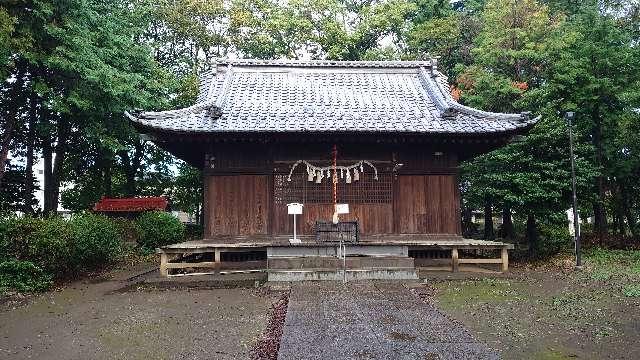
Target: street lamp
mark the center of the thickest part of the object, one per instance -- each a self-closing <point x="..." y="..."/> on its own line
<point x="569" y="116"/>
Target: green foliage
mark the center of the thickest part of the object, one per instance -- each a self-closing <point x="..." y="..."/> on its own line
<point x="52" y="247"/>
<point x="12" y="192"/>
<point x="97" y="241"/>
<point x="7" y="24"/>
<point x="606" y="264"/>
<point x="187" y="190"/>
<point x="554" y="237"/>
<point x="5" y="227"/>
<point x="631" y="290"/>
<point x="323" y="28"/>
<point x="508" y="59"/>
<point x="23" y="276"/>
<point x="47" y="242"/>
<point x="159" y="228"/>
<point x="127" y="229"/>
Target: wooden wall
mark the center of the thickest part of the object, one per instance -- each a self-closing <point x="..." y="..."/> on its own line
<point x="239" y="194"/>
<point x="237" y="205"/>
<point x="428" y="204"/>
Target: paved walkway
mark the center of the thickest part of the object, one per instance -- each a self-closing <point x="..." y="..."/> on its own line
<point x="371" y="320"/>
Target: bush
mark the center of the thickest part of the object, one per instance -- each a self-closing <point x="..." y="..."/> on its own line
<point x="97" y="241"/>
<point x="157" y="228"/>
<point x="554" y="238"/>
<point x="47" y="242"/>
<point x="127" y="229"/>
<point x="5" y="223"/>
<point x="23" y="276"/>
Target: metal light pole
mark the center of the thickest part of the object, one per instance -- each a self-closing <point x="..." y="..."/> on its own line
<point x="569" y="116"/>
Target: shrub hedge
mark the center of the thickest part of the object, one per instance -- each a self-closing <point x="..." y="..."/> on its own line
<point x="97" y="241"/>
<point x="23" y="276"/>
<point x="33" y="251"/>
<point x="47" y="242"/>
<point x="157" y="228"/>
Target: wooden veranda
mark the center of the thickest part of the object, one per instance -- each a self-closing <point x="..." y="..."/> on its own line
<point x="243" y="254"/>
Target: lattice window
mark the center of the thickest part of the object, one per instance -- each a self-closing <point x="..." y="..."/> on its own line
<point x="365" y="191"/>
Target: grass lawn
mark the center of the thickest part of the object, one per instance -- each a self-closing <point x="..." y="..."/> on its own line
<point x="549" y="311"/>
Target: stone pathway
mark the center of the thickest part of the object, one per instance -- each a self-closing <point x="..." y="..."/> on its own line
<point x="371" y="320"/>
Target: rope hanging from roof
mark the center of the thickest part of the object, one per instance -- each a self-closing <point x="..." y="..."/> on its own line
<point x="349" y="173"/>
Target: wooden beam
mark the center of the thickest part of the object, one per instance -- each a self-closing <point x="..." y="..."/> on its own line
<point x="164" y="260"/>
<point x="480" y="261"/>
<point x="505" y="260"/>
<point x="454" y="260"/>
<point x="204" y="264"/>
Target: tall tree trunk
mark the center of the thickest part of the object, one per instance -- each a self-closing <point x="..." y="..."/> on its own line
<point x="532" y="234"/>
<point x="131" y="167"/>
<point x="600" y="215"/>
<point x="47" y="156"/>
<point x="488" y="221"/>
<point x="467" y="222"/>
<point x="620" y="217"/>
<point x="10" y="122"/>
<point x="28" y="169"/>
<point x="107" y="187"/>
<point x="507" y="231"/>
<point x="61" y="153"/>
<point x="10" y="125"/>
<point x="53" y="166"/>
<point x="599" y="224"/>
<point x="626" y="206"/>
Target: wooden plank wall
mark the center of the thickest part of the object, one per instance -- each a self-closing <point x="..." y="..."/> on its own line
<point x="237" y="205"/>
<point x="239" y="185"/>
<point x="428" y="204"/>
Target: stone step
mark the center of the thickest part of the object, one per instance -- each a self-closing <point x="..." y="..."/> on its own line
<point x="333" y="249"/>
<point x="339" y="275"/>
<point x="333" y="263"/>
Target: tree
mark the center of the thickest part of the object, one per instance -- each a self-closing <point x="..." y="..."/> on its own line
<point x="508" y="59"/>
<point x="597" y="76"/>
<point x="187" y="191"/>
<point x="11" y="194"/>
<point x="85" y="69"/>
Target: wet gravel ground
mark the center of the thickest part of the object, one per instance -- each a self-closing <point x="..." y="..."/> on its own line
<point x="371" y="320"/>
<point x="90" y="320"/>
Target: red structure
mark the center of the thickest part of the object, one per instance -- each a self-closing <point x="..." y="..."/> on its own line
<point x="131" y="205"/>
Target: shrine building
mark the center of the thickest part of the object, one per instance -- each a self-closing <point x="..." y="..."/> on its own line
<point x="370" y="149"/>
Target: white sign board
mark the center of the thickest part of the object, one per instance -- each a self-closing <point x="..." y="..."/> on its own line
<point x="342" y="208"/>
<point x="294" y="209"/>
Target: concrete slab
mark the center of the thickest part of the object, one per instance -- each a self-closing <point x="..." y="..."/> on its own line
<point x="371" y="320"/>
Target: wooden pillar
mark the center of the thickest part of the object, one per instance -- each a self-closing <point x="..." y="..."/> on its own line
<point x="505" y="259"/>
<point x="217" y="256"/>
<point x="206" y="206"/>
<point x="164" y="259"/>
<point x="454" y="260"/>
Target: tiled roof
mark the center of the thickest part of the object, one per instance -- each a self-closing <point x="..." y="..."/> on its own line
<point x="327" y="96"/>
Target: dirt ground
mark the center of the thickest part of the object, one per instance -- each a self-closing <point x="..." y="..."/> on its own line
<point x="550" y="311"/>
<point x="542" y="311"/>
<point x="95" y="320"/>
